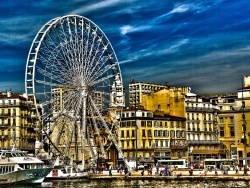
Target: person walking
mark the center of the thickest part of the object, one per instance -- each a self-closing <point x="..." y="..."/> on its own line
<point x="142" y="172"/>
<point x="245" y="170"/>
<point x="110" y="170"/>
<point x="236" y="169"/>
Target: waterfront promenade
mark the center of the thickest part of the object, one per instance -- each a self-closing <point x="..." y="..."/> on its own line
<point x="197" y="175"/>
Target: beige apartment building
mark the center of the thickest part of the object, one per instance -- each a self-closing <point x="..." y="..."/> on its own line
<point x="17" y="122"/>
<point x="150" y="137"/>
<point x="201" y="128"/>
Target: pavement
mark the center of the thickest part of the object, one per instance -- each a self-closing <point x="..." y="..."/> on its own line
<point x="184" y="173"/>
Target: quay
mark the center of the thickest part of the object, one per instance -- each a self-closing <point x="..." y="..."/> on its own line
<point x="197" y="176"/>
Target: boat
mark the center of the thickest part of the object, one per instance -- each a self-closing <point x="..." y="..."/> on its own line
<point x="18" y="167"/>
<point x="66" y="172"/>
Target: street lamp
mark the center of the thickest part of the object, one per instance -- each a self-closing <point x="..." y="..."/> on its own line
<point x="244" y="126"/>
<point x="136" y="128"/>
<point x="2" y="141"/>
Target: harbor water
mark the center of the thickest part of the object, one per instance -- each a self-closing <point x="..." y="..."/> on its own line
<point x="139" y="184"/>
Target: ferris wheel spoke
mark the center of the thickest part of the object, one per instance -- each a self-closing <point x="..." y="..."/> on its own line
<point x="51" y="64"/>
<point x="100" y="62"/>
<point x="50" y="75"/>
<point x="96" y="129"/>
<point x="73" y="102"/>
<point x="53" y="47"/>
<point x="71" y="71"/>
<point x="105" y="69"/>
<point x="103" y="79"/>
<point x="50" y="84"/>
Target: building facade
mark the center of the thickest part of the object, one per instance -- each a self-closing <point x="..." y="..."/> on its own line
<point x="148" y="137"/>
<point x="17" y="122"/>
<point x="202" y="130"/>
<point x="160" y="99"/>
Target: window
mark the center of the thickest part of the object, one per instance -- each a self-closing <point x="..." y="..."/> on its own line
<point x="162" y="144"/>
<point x="231" y="119"/>
<point x="171" y="124"/>
<point x="150" y="143"/>
<point x="166" y="124"/>
<point x="160" y="124"/>
<point x="232" y="131"/>
<point x="133" y="133"/>
<point x="156" y="124"/>
<point x="221" y="120"/>
<point x="177" y="124"/>
<point x="178" y="134"/>
<point x="221" y="131"/>
<point x="159" y="133"/>
<point x="166" y="143"/>
<point x="149" y="133"/>
<point x="183" y="134"/>
<point x="172" y="134"/>
<point x="240" y="153"/>
<point x="209" y="116"/>
<point x="143" y="133"/>
<point x="128" y="123"/>
<point x="14" y="112"/>
<point x="155" y="133"/>
<point x="127" y="133"/>
<point x="149" y="123"/>
<point x="122" y="134"/>
<point x="143" y="123"/>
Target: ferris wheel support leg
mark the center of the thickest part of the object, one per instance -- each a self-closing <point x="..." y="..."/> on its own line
<point x="84" y="94"/>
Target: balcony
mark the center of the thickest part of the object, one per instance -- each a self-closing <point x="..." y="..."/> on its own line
<point x="203" y="142"/>
<point x="208" y="121"/>
<point x="199" y="109"/>
<point x="193" y="121"/>
<point x="179" y="147"/>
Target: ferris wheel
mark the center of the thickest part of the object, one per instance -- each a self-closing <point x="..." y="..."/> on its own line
<point x="74" y="80"/>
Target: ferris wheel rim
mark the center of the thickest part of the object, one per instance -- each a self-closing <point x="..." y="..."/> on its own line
<point x="31" y="89"/>
<point x="49" y="24"/>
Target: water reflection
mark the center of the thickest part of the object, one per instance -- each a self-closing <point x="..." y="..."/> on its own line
<point x="141" y="184"/>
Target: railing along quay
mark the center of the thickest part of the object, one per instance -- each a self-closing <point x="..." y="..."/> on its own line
<point x="176" y="175"/>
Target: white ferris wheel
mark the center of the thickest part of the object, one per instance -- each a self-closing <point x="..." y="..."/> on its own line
<point x="74" y="80"/>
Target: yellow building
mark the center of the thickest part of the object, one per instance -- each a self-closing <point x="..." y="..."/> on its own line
<point x="241" y="147"/>
<point x="17" y="122"/>
<point x="150" y="137"/>
<point x="226" y="124"/>
<point x="161" y="99"/>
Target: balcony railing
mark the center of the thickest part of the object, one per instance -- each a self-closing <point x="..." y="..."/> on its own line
<point x="201" y="142"/>
<point x="179" y="147"/>
<point x="199" y="109"/>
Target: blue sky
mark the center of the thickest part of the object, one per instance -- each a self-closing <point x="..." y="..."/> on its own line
<point x="201" y="44"/>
